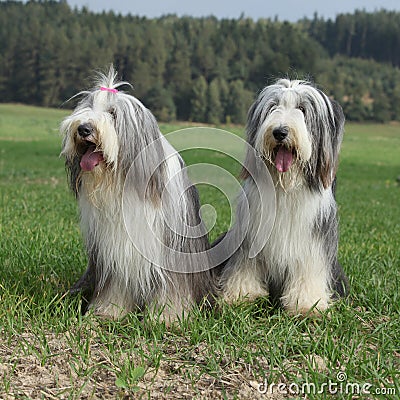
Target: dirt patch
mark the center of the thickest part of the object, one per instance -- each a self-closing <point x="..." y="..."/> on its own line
<point x="57" y="367"/>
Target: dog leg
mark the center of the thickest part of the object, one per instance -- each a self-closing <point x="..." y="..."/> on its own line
<point x="85" y="284"/>
<point x="181" y="293"/>
<point x="340" y="282"/>
<point x="244" y="281"/>
<point x="112" y="301"/>
<point x="307" y="287"/>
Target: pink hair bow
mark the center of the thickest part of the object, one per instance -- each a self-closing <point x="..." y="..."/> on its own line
<point x="105" y="89"/>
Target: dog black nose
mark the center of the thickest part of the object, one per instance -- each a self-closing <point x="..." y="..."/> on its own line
<point x="85" y="130"/>
<point x="281" y="133"/>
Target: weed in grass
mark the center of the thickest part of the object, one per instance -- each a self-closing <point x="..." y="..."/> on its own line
<point x="128" y="376"/>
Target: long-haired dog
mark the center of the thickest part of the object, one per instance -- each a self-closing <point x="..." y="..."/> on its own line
<point x="137" y="207"/>
<point x="297" y="131"/>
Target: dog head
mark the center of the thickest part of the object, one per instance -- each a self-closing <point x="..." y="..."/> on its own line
<point x="106" y="132"/>
<point x="298" y="131"/>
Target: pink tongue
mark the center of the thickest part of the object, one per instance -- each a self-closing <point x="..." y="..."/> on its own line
<point x="91" y="159"/>
<point x="283" y="159"/>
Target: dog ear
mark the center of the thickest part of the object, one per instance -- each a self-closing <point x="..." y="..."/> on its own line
<point x="330" y="146"/>
<point x="156" y="186"/>
<point x="149" y="176"/>
<point x="141" y="151"/>
<point x="154" y="166"/>
<point x="252" y="125"/>
<point x="244" y="173"/>
<point x="74" y="174"/>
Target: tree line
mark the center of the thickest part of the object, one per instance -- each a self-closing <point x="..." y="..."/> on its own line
<point x="199" y="69"/>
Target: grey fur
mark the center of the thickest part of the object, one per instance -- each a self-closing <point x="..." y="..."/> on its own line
<point x="115" y="279"/>
<point x="313" y="179"/>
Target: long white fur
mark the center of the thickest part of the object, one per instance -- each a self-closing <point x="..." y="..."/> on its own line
<point x="294" y="256"/>
<point x="126" y="277"/>
<point x="102" y="220"/>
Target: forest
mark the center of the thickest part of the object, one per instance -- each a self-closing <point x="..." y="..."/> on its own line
<point x="199" y="69"/>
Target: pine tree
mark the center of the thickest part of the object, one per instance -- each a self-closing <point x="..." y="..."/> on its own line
<point x="224" y="98"/>
<point x="239" y="101"/>
<point x="178" y="76"/>
<point x="161" y="103"/>
<point x="381" y="111"/>
<point x="198" y="103"/>
<point x="215" y="110"/>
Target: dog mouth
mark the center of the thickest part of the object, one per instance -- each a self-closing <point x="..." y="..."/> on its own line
<point x="91" y="156"/>
<point x="283" y="158"/>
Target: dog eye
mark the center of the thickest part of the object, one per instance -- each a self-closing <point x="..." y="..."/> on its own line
<point x="271" y="107"/>
<point x="113" y="114"/>
<point x="302" y="109"/>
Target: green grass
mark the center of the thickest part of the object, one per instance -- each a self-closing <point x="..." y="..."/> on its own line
<point x="48" y="350"/>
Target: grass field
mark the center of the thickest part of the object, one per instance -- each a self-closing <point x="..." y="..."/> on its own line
<point x="47" y="350"/>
